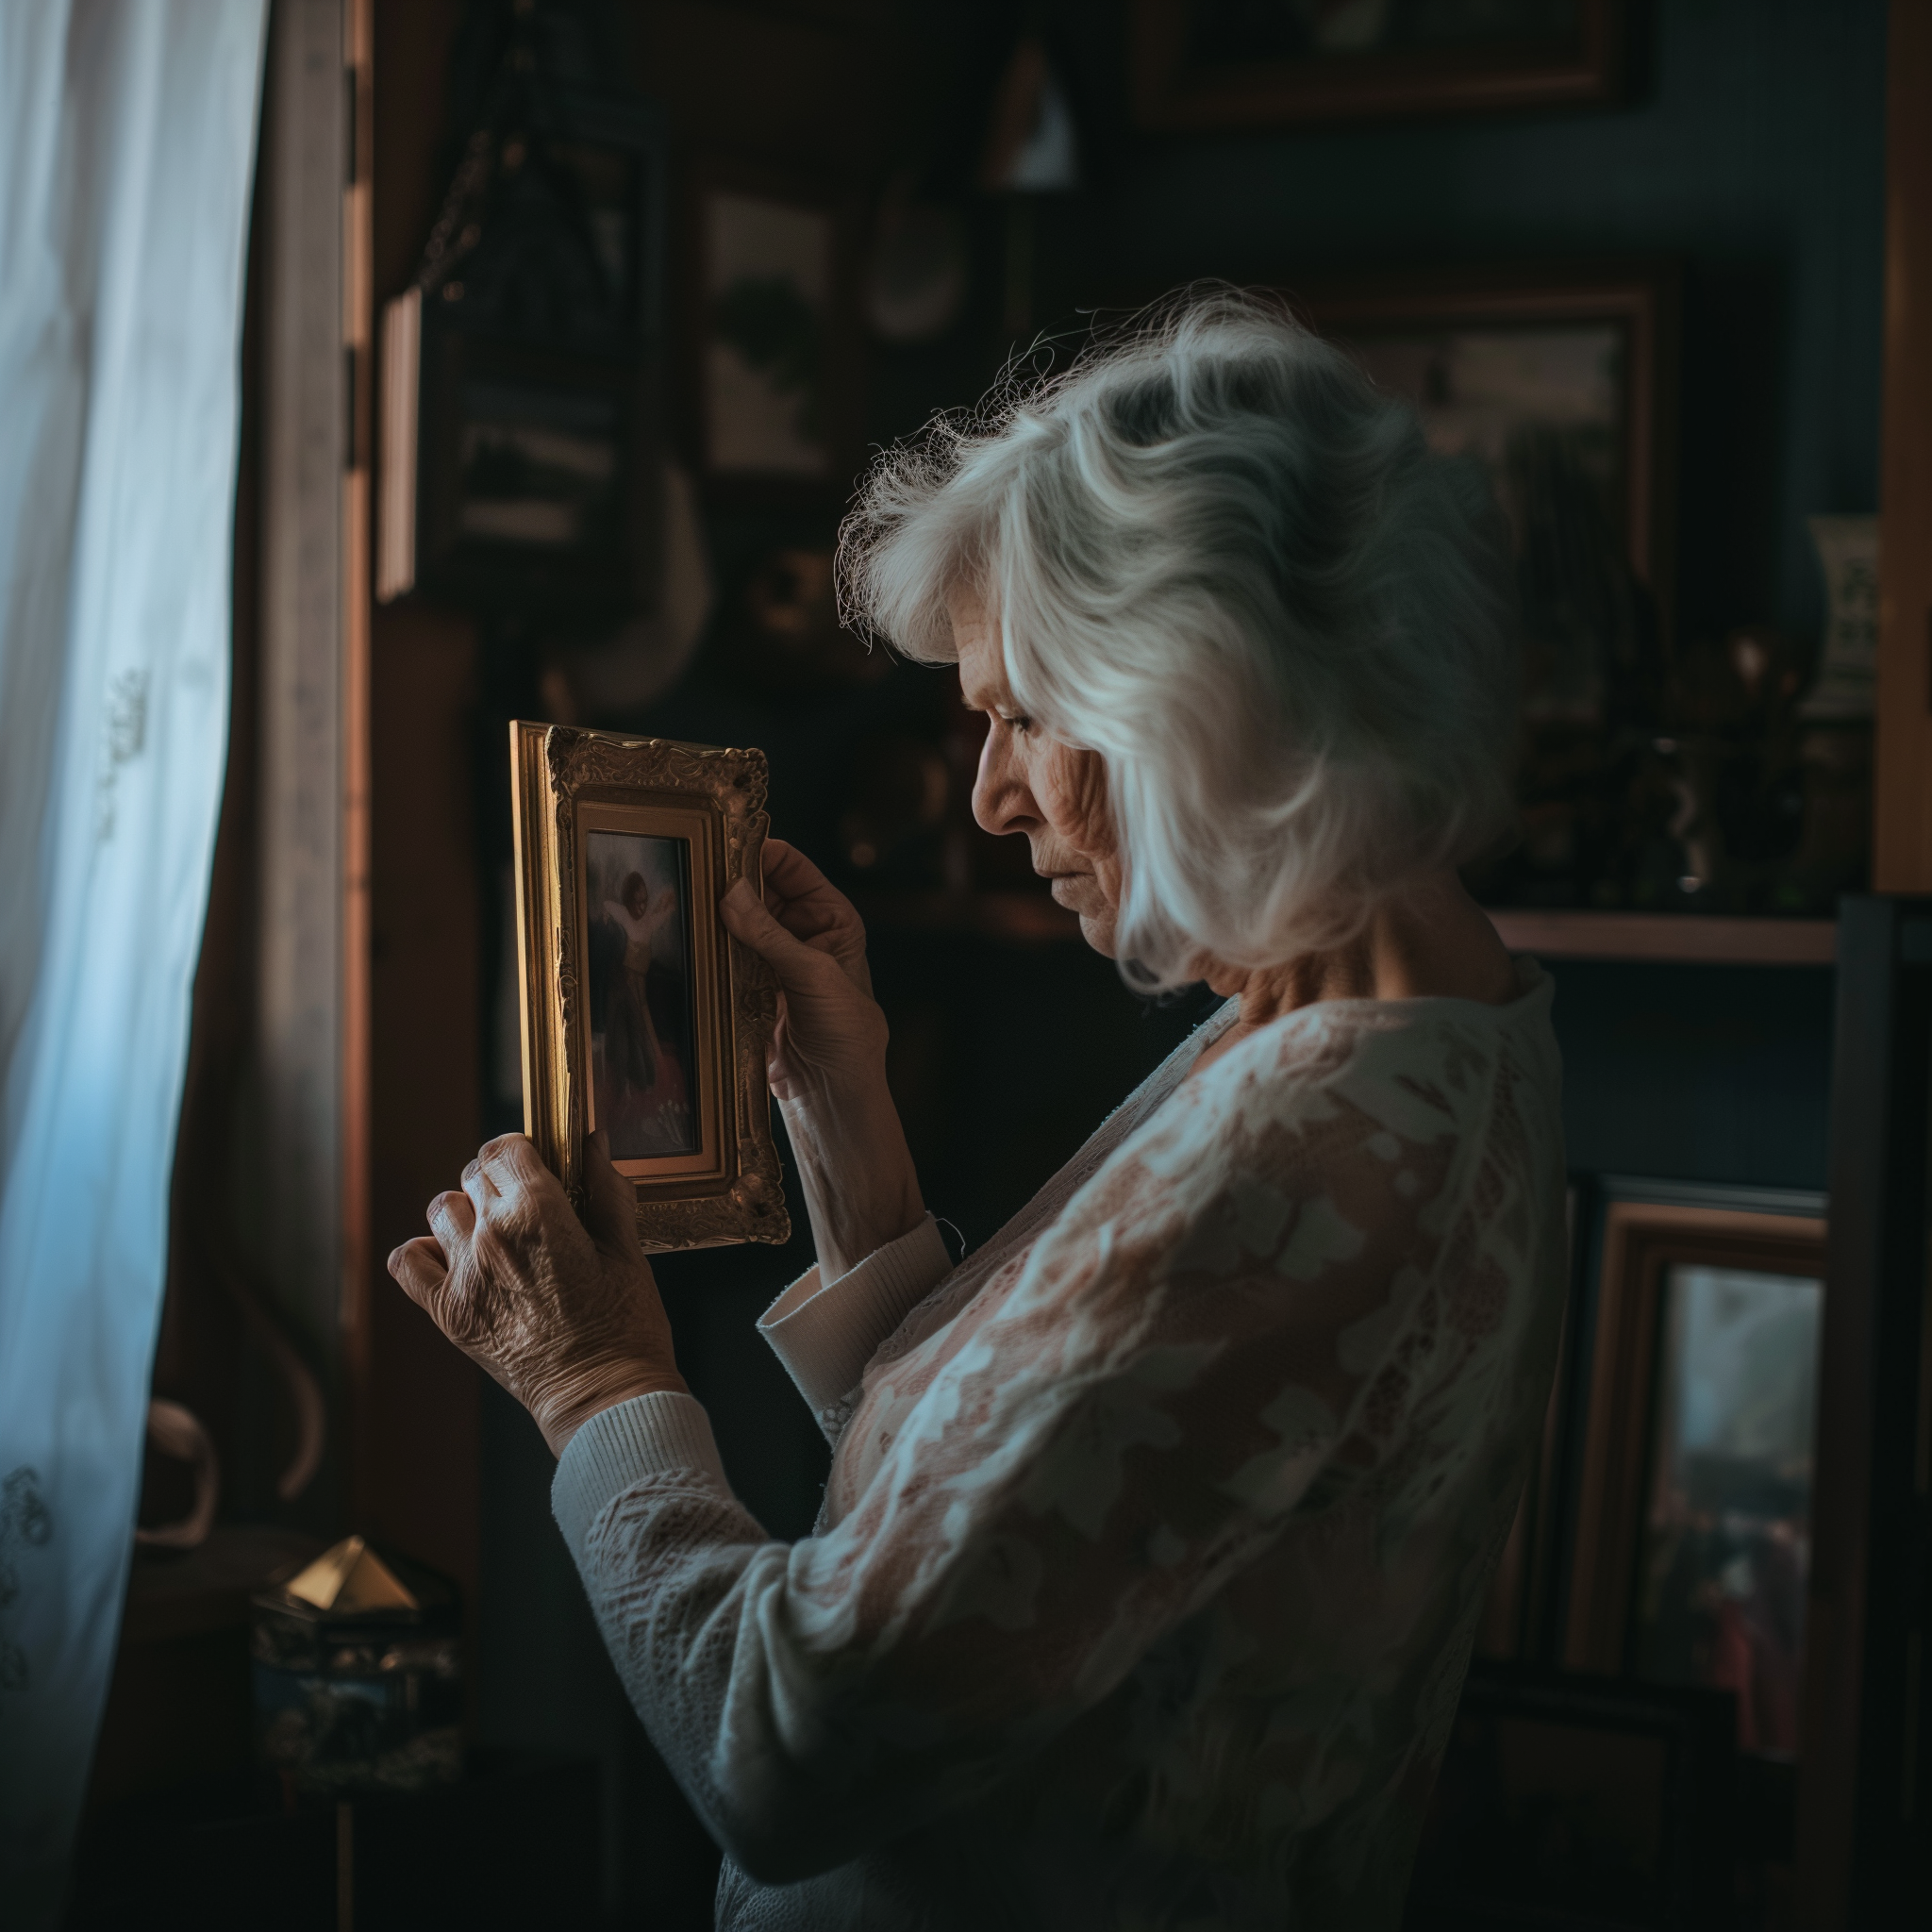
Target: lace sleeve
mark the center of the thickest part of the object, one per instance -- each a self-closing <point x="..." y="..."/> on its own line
<point x="1229" y="1325"/>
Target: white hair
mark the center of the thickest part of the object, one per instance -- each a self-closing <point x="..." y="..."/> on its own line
<point x="1217" y="555"/>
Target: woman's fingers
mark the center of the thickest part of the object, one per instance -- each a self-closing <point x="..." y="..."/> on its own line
<point x="796" y="963"/>
<point x="791" y="875"/>
<point x="610" y="1208"/>
<point x="420" y="1268"/>
<point x="452" y="1217"/>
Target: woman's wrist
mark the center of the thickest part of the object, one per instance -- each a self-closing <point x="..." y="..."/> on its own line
<point x="561" y="1410"/>
<point x="856" y="1173"/>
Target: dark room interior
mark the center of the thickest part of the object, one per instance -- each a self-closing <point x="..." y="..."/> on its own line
<point x="680" y="269"/>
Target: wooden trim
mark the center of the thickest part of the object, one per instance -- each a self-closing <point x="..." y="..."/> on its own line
<point x="1641" y="1241"/>
<point x="301" y="1044"/>
<point x="1901" y="831"/>
<point x="1169" y="93"/>
<point x="1864" y="1814"/>
<point x="1688" y="936"/>
<point x="358" y="306"/>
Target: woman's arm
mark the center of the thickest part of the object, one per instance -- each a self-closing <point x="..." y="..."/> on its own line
<point x="1133" y="1427"/>
<point x="829" y="1060"/>
<point x="1188" y="1348"/>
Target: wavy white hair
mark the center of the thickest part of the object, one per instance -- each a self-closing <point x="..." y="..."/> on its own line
<point x="1217" y="555"/>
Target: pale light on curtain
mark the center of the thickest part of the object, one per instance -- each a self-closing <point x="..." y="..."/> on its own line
<point x="127" y="146"/>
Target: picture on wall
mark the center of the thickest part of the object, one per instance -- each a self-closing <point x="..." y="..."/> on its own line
<point x="774" y="326"/>
<point x="1233" y="63"/>
<point x="1556" y="390"/>
<point x="1693" y="1528"/>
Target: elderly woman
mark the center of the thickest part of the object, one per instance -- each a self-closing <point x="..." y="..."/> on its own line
<point x="1158" y="1529"/>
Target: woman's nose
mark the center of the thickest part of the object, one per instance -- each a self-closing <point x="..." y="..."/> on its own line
<point x="1002" y="800"/>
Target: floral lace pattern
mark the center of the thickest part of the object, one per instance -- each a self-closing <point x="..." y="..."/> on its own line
<point x="1149" y="1568"/>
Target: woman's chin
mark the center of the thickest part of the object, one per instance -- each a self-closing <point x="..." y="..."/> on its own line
<point x="1097" y="929"/>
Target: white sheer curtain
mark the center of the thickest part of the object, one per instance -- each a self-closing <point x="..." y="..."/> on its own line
<point x="126" y="147"/>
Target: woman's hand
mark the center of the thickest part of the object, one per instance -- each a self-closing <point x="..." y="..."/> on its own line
<point x="562" y="1312"/>
<point x="831" y="1036"/>
<point x="828" y="1064"/>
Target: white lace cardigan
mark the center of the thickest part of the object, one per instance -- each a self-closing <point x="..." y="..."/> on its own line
<point x="1157" y="1531"/>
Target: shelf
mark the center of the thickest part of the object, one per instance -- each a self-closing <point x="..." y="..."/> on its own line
<point x="1687" y="937"/>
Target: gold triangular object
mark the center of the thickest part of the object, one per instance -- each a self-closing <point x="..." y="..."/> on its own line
<point x="351" y="1577"/>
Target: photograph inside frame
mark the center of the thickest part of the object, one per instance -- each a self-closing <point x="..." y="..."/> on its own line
<point x="639" y="973"/>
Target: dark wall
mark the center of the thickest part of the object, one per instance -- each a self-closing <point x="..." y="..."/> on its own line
<point x="1753" y="150"/>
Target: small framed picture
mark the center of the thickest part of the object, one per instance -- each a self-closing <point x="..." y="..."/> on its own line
<point x="1575" y="1803"/>
<point x="1694" y="1523"/>
<point x="775" y="333"/>
<point x="642" y="1018"/>
<point x="1561" y="385"/>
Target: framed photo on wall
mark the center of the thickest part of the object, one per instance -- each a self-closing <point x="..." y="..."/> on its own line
<point x="773" y="332"/>
<point x="1693" y="1525"/>
<point x="642" y="1018"/>
<point x="1562" y="384"/>
<point x="1231" y="63"/>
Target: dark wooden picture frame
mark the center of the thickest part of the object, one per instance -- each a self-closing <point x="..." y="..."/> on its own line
<point x="1174" y="88"/>
<point x="1576" y="1805"/>
<point x="1642" y="1241"/>
<point x="822" y="380"/>
<point x="1638" y="299"/>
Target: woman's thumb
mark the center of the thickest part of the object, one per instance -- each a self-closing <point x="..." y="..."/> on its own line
<point x="610" y="1202"/>
<point x="747" y="920"/>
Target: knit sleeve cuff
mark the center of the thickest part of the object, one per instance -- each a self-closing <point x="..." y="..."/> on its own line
<point x="825" y="1332"/>
<point x="649" y="1435"/>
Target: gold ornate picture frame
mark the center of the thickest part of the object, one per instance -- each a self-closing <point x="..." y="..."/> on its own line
<point x="642" y="1016"/>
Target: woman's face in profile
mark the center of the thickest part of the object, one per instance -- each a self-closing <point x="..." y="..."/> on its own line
<point x="1028" y="782"/>
<point x="637" y="899"/>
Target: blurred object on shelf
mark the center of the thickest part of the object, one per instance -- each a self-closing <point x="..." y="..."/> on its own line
<point x="781" y="632"/>
<point x="176" y="1433"/>
<point x="896" y="787"/>
<point x="1032" y="147"/>
<point x="1737" y="804"/>
<point x="916" y="276"/>
<point x="1847" y="667"/>
<point x="612" y="676"/>
<point x="1032" y="144"/>
<point x="359" y="1675"/>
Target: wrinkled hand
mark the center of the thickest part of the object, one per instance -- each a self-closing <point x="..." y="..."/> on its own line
<point x="831" y="1036"/>
<point x="562" y="1312"/>
<point x="827" y="1062"/>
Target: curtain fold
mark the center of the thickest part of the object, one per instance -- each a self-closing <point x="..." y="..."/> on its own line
<point x="126" y="148"/>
